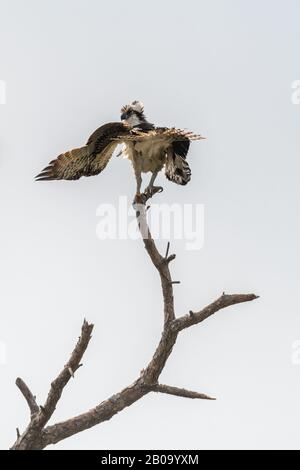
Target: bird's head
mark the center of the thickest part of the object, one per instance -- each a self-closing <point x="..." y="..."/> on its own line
<point x="133" y="114"/>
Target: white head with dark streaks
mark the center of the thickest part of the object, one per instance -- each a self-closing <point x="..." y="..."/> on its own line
<point x="133" y="114"/>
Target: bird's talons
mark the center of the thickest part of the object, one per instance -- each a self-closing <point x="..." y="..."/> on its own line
<point x="150" y="191"/>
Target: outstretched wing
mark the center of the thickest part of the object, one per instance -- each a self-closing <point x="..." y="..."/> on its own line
<point x="163" y="134"/>
<point x="88" y="160"/>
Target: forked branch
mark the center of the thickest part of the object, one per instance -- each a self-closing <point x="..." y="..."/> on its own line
<point x="38" y="435"/>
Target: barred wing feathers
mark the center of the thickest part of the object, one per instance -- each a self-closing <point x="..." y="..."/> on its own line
<point x="171" y="134"/>
<point x="88" y="160"/>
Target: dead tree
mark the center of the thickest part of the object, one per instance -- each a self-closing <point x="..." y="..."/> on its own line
<point x="38" y="435"/>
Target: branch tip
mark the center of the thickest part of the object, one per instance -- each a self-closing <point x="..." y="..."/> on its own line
<point x="167" y="250"/>
<point x="171" y="258"/>
<point x="28" y="395"/>
<point x="222" y="302"/>
<point x="180" y="392"/>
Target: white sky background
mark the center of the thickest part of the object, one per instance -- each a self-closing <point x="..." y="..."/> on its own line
<point x="222" y="68"/>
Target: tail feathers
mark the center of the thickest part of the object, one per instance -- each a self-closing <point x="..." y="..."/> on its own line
<point x="177" y="169"/>
<point x="68" y="166"/>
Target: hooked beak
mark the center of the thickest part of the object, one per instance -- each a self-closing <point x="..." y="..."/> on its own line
<point x="123" y="117"/>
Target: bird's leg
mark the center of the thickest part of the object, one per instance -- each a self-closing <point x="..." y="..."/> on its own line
<point x="139" y="198"/>
<point x="138" y="176"/>
<point x="151" y="189"/>
<point x="153" y="177"/>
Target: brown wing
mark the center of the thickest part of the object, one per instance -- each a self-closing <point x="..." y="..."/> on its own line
<point x="88" y="160"/>
<point x="162" y="133"/>
<point x="176" y="167"/>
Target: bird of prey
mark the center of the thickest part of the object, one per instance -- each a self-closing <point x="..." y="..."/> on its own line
<point x="149" y="148"/>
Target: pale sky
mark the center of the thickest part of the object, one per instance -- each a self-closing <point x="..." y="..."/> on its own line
<point x="224" y="69"/>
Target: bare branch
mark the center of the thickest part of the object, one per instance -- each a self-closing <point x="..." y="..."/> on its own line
<point x="170" y="258"/>
<point x="99" y="414"/>
<point x="68" y="371"/>
<point x="28" y="395"/>
<point x="167" y="250"/>
<point x="193" y="318"/>
<point x="37" y="436"/>
<point x="159" y="262"/>
<point x="180" y="392"/>
<point x="31" y="438"/>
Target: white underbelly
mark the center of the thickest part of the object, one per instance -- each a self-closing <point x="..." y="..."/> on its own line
<point x="149" y="156"/>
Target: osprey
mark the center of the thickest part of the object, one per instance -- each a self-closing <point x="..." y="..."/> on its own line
<point x="149" y="148"/>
